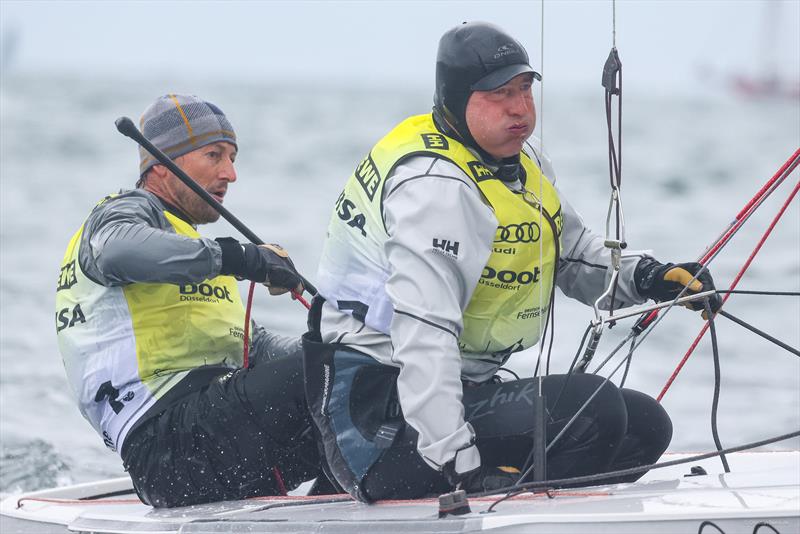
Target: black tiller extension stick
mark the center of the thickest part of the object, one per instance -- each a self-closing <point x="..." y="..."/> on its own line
<point x="127" y="128"/>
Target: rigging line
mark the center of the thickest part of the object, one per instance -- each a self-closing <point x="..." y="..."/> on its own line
<point x="614" y="23"/>
<point x="754" y="203"/>
<point x="580" y="410"/>
<point x="647" y="320"/>
<point x="582" y="480"/>
<point x="769" y="293"/>
<point x="612" y="83"/>
<point x="761" y="333"/>
<point x="543" y="328"/>
<point x="717" y="385"/>
<point x="551" y="307"/>
<point x="735" y="225"/>
<point x="733" y="285"/>
<point x="791" y="162"/>
<point x="721" y="312"/>
<point x="628" y="363"/>
<point x="563" y="387"/>
<point x="751" y="207"/>
<point x="630" y="337"/>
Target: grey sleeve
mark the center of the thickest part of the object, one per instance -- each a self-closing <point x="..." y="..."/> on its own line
<point x="268" y="346"/>
<point x="584" y="270"/>
<point x="440" y="239"/>
<point x="128" y="240"/>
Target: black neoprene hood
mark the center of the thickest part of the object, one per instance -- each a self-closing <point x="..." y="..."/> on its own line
<point x="474" y="56"/>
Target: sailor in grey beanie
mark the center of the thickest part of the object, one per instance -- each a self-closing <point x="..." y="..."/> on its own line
<point x="178" y="124"/>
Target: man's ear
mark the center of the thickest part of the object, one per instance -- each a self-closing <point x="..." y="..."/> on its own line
<point x="157" y="171"/>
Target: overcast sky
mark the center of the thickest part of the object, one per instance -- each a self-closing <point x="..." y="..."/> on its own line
<point x="383" y="42"/>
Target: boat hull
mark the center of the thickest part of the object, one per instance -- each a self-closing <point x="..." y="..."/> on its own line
<point x="763" y="487"/>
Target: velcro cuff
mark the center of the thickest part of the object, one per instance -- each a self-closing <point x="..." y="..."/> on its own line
<point x="467" y="460"/>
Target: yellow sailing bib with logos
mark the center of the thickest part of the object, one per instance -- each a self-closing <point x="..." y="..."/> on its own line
<point x="125" y="346"/>
<point x="509" y="305"/>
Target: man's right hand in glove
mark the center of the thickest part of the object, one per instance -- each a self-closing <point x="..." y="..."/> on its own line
<point x="266" y="264"/>
<point x="662" y="282"/>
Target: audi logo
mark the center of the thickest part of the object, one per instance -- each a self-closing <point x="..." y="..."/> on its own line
<point x="527" y="232"/>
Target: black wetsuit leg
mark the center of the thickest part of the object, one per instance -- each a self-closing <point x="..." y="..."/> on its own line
<point x="648" y="435"/>
<point x="502" y="418"/>
<point x="247" y="433"/>
<point x="372" y="453"/>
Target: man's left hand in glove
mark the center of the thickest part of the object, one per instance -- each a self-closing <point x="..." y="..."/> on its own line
<point x="266" y="264"/>
<point x="663" y="282"/>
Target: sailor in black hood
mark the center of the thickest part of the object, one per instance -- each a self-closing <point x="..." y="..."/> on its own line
<point x="441" y="258"/>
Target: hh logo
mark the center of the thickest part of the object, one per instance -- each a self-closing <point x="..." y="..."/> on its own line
<point x="480" y="171"/>
<point x="437" y="141"/>
<point x="449" y="248"/>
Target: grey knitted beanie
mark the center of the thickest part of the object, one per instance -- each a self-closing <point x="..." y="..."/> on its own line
<point x="178" y="124"/>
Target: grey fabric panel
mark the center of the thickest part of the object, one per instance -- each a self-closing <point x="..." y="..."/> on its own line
<point x="584" y="271"/>
<point x="128" y="239"/>
<point x="269" y="346"/>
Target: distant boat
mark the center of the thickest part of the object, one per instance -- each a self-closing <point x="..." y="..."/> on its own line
<point x="766" y="87"/>
<point x="770" y="83"/>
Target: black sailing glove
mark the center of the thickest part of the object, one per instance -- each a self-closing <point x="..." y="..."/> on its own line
<point x="661" y="282"/>
<point x="266" y="264"/>
<point x="482" y="478"/>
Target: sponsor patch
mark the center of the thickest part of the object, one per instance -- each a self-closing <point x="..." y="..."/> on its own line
<point x="67" y="278"/>
<point x="525" y="232"/>
<point x="434" y="140"/>
<point x="559" y="220"/>
<point x="480" y="171"/>
<point x="446" y="248"/>
<point x="204" y="293"/>
<point x="367" y="175"/>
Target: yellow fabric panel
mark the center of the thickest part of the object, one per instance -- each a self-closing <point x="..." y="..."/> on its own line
<point x="180" y="327"/>
<point x="509" y="305"/>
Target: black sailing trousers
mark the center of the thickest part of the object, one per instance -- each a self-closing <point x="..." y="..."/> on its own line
<point x="371" y="452"/>
<point x="247" y="433"/>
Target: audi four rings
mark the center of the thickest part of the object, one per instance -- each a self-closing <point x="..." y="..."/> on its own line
<point x="527" y="232"/>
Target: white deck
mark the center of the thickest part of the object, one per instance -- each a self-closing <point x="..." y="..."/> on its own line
<point x="762" y="487"/>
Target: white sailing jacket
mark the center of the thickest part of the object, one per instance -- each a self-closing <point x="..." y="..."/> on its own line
<point x="421" y="195"/>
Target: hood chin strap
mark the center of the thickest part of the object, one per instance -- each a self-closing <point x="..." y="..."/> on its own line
<point x="445" y="121"/>
<point x="508" y="170"/>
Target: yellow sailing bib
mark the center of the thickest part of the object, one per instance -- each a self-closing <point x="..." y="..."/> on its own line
<point x="509" y="304"/>
<point x="125" y="346"/>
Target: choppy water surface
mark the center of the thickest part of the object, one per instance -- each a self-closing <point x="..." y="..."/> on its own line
<point x="690" y="164"/>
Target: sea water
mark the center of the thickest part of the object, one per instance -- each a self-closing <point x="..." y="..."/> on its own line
<point x="690" y="164"/>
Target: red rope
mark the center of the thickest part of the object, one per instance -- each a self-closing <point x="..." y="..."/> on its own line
<point x="733" y="285"/>
<point x="279" y="480"/>
<point x="751" y="206"/>
<point x="246" y="350"/>
<point x="782" y="173"/>
<point x="792" y="161"/>
<point x="297" y="296"/>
